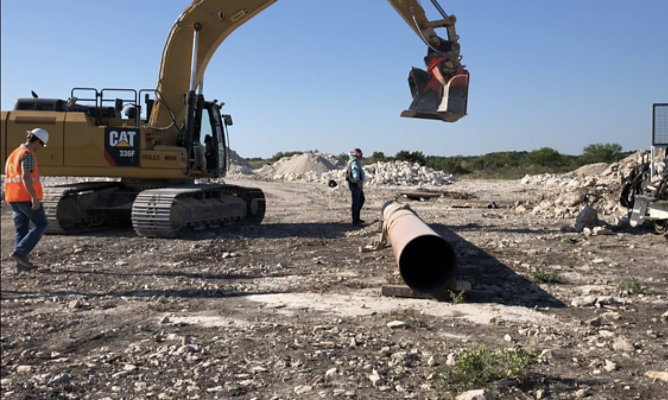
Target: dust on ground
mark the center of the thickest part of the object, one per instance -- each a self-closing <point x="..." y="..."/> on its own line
<point x="291" y="309"/>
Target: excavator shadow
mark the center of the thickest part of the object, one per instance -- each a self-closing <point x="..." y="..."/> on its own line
<point x="327" y="230"/>
<point x="305" y="230"/>
<point x="491" y="280"/>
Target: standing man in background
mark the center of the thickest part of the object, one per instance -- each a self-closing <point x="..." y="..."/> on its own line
<point x="355" y="178"/>
<point x="23" y="192"/>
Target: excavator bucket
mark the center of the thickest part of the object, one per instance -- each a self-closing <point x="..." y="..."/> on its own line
<point x="441" y="92"/>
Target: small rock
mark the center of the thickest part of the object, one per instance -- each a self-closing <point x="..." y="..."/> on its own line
<point x="301" y="389"/>
<point x="374" y="377"/>
<point x="330" y="372"/>
<point x="621" y="344"/>
<point x="600" y="231"/>
<point x="660" y="375"/>
<point x="610" y="366"/>
<point x="396" y="324"/>
<point x="24" y="369"/>
<point x="451" y="360"/>
<point x="583" y="301"/>
<point x="431" y="361"/>
<point x="480" y="394"/>
<point x="588" y="218"/>
<point x="61" y="379"/>
<point x="609" y="301"/>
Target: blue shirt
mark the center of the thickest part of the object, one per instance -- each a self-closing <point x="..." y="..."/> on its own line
<point x="355" y="171"/>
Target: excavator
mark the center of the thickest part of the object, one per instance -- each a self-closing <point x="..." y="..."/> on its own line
<point x="163" y="152"/>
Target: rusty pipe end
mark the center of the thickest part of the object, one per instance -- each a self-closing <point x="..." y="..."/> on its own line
<point x="427" y="263"/>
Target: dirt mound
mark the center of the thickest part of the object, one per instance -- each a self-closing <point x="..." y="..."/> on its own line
<point x="300" y="165"/>
<point x="238" y="165"/>
<point x="591" y="169"/>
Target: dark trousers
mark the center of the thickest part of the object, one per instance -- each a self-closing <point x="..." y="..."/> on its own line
<point x="27" y="237"/>
<point x="358" y="200"/>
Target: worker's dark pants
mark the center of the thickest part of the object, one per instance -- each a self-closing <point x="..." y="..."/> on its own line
<point x="27" y="237"/>
<point x="358" y="201"/>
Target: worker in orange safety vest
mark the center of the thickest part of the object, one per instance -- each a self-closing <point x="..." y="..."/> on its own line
<point x="23" y="192"/>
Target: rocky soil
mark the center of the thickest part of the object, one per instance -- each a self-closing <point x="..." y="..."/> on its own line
<point x="292" y="308"/>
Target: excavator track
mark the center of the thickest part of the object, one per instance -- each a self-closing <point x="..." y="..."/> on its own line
<point x="81" y="207"/>
<point x="166" y="212"/>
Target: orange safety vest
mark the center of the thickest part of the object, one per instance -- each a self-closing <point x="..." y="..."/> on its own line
<point x="15" y="190"/>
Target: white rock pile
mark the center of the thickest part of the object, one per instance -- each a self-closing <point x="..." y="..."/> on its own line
<point x="238" y="165"/>
<point x="323" y="167"/>
<point x="596" y="185"/>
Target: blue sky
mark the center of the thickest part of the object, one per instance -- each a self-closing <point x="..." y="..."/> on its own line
<point x="332" y="75"/>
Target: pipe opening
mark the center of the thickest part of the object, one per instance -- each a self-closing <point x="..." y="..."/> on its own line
<point x="427" y="263"/>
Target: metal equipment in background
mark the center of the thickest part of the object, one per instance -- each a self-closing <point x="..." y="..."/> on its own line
<point x="645" y="189"/>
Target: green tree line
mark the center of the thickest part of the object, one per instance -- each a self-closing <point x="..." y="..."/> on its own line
<point x="501" y="165"/>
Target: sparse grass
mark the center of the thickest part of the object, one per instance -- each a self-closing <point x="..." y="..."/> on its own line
<point x="480" y="367"/>
<point x="412" y="318"/>
<point x="632" y="286"/>
<point x="570" y="239"/>
<point x="546" y="277"/>
<point x="395" y="279"/>
<point x="457" y="297"/>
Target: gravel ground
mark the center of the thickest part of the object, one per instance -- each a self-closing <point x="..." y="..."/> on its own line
<point x="292" y="309"/>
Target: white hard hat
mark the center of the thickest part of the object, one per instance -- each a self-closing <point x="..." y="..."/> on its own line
<point x="40" y="134"/>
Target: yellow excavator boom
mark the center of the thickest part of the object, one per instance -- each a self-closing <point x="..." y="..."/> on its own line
<point x="205" y="24"/>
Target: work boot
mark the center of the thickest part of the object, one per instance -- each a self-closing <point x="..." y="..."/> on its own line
<point x="18" y="268"/>
<point x="23" y="264"/>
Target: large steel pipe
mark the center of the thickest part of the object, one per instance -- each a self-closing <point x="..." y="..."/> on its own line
<point x="426" y="261"/>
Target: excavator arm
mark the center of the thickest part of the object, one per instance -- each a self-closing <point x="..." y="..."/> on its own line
<point x="440" y="92"/>
<point x="201" y="27"/>
<point x="414" y="15"/>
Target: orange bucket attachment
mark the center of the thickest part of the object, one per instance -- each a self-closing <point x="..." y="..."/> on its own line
<point x="441" y="92"/>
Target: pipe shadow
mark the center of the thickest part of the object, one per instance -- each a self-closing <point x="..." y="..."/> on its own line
<point x="491" y="280"/>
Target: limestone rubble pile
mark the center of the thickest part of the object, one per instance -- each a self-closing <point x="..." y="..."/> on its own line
<point x="238" y="165"/>
<point x="596" y="185"/>
<point x="321" y="168"/>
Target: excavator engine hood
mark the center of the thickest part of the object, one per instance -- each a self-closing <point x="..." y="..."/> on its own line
<point x="441" y="92"/>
